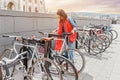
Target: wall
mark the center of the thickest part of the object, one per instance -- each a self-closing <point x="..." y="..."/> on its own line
<point x="27" y="24"/>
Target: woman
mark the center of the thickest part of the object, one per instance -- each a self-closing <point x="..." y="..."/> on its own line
<point x="66" y="25"/>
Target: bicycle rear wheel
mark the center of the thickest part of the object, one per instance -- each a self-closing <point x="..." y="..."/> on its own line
<point x="105" y="39"/>
<point x="93" y="46"/>
<point x="42" y="70"/>
<point x="109" y="35"/>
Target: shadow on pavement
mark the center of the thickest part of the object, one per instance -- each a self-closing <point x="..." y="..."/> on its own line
<point x="85" y="76"/>
<point x="98" y="57"/>
<point x="102" y="56"/>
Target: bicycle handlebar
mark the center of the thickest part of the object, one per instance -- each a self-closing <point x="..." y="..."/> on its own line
<point x="5" y="36"/>
<point x="10" y="36"/>
<point x="20" y="38"/>
<point x="60" y="35"/>
<point x="41" y="33"/>
<point x="55" y="35"/>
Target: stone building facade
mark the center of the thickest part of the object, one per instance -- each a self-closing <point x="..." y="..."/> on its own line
<point x="23" y="5"/>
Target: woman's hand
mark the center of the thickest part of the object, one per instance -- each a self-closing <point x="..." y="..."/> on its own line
<point x="19" y="38"/>
<point x="53" y="32"/>
<point x="72" y="31"/>
<point x="33" y="36"/>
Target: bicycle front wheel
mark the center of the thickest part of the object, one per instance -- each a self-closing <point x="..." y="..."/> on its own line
<point x="76" y="57"/>
<point x="69" y="72"/>
<point x="8" y="53"/>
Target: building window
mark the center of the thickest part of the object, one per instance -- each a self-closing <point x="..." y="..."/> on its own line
<point x="29" y="9"/>
<point x="19" y="5"/>
<point x="36" y="10"/>
<point x="36" y="1"/>
<point x="29" y="0"/>
<point x="5" y="4"/>
<point x="10" y="6"/>
<point x="24" y="8"/>
<point x="41" y="2"/>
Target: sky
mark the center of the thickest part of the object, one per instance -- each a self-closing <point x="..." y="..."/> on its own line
<point x="97" y="6"/>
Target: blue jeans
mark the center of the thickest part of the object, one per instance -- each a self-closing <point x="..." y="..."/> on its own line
<point x="71" y="45"/>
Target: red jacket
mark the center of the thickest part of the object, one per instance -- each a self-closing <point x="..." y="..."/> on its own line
<point x="68" y="29"/>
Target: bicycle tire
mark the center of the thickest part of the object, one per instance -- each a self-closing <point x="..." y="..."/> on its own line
<point x="67" y="68"/>
<point x="93" y="49"/>
<point x="114" y="33"/>
<point x="48" y="61"/>
<point x="109" y="35"/>
<point x="8" y="53"/>
<point x="106" y="39"/>
<point x="76" y="61"/>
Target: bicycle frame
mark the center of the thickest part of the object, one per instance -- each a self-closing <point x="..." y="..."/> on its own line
<point x="35" y="55"/>
<point x="6" y="61"/>
<point x="64" y="44"/>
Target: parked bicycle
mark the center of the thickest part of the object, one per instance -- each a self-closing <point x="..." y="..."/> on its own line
<point x="76" y="58"/>
<point x="38" y="68"/>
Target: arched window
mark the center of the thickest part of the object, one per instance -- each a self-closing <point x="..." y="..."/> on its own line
<point x="29" y="9"/>
<point x="24" y="8"/>
<point x="10" y="5"/>
<point x="36" y="9"/>
<point x="29" y="0"/>
<point x="41" y="2"/>
<point x="36" y="1"/>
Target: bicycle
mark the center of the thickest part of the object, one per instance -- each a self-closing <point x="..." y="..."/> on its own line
<point x="90" y="42"/>
<point x="38" y="65"/>
<point x="5" y="63"/>
<point x="60" y="60"/>
<point x="78" y="58"/>
<point x="96" y="33"/>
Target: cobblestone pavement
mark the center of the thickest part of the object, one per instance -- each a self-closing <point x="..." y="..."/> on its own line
<point x="102" y="67"/>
